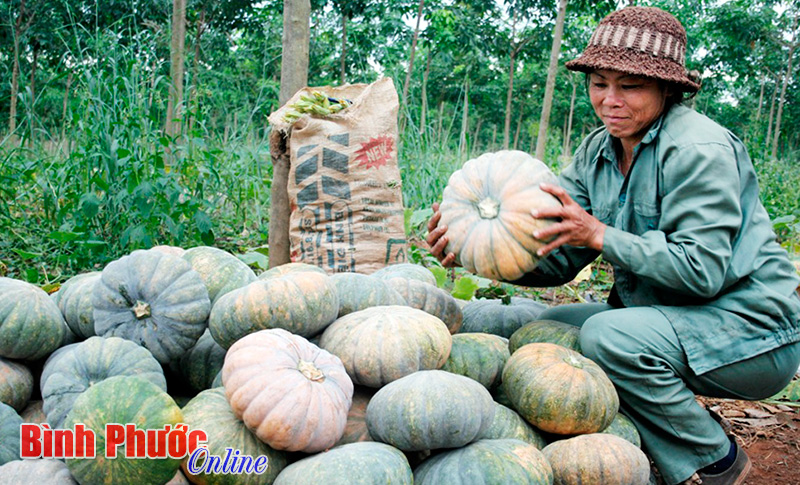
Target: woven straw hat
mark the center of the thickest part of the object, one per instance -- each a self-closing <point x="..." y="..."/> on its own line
<point x="645" y="41"/>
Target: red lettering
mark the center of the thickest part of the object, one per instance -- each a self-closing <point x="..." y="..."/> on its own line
<point x="30" y="436"/>
<point x="84" y="442"/>
<point x="62" y="443"/>
<point x="115" y="436"/>
<point x="135" y="442"/>
<point x="156" y="443"/>
<point x="197" y="438"/>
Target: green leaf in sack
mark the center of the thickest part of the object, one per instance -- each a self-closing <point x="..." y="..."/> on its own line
<point x="789" y="393"/>
<point x="465" y="287"/>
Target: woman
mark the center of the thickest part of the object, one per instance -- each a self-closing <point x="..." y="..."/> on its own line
<point x="704" y="298"/>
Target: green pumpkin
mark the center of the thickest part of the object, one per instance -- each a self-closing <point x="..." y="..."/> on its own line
<point x="16" y="384"/>
<point x="31" y="325"/>
<point x="489" y="462"/>
<point x="597" y="458"/>
<point x="221" y="271"/>
<point x="498" y="318"/>
<point x="623" y="427"/>
<point x="78" y="367"/>
<point x="358" y="291"/>
<point x="550" y="331"/>
<point x="34" y="413"/>
<point x="429" y="299"/>
<point x="301" y="302"/>
<point x="123" y="399"/>
<point x="558" y="390"/>
<point x="75" y="303"/>
<point x="507" y="424"/>
<point x="283" y="269"/>
<point x="381" y="344"/>
<point x="201" y="364"/>
<point x="211" y="412"/>
<point x="408" y="271"/>
<point x="428" y="410"/>
<point x="154" y="299"/>
<point x="49" y="471"/>
<point x="9" y="434"/>
<point x="365" y="463"/>
<point x="356" y="428"/>
<point x="479" y="356"/>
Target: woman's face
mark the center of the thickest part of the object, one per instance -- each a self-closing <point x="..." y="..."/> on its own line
<point x="626" y="104"/>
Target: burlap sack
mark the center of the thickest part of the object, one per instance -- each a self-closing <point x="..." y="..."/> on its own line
<point x="344" y="188"/>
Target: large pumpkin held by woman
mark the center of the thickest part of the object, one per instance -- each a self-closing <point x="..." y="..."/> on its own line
<point x="486" y="207"/>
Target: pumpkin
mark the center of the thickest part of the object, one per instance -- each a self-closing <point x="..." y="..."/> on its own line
<point x="486" y="207"/>
<point x="121" y="400"/>
<point x="364" y="463"/>
<point x="171" y="250"/>
<point x="75" y="303"/>
<point x="356" y="428"/>
<point x="623" y="427"/>
<point x="49" y="471"/>
<point x="34" y="413"/>
<point x="384" y="343"/>
<point x="479" y="356"/>
<point x="490" y="462"/>
<point x="499" y="394"/>
<point x="597" y="458"/>
<point x="302" y="302"/>
<point x="77" y="368"/>
<point x="31" y="325"/>
<point x="9" y="434"/>
<point x="154" y="299"/>
<point x="507" y="424"/>
<point x="499" y="318"/>
<point x="210" y="412"/>
<point x="201" y="364"/>
<point x="293" y="395"/>
<point x="408" y="271"/>
<point x="550" y="331"/>
<point x="428" y="410"/>
<point x="290" y="268"/>
<point x="430" y="299"/>
<point x="358" y="291"/>
<point x="220" y="270"/>
<point x="16" y="384"/>
<point x="558" y="390"/>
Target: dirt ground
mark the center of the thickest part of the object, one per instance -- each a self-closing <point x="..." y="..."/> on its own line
<point x="770" y="433"/>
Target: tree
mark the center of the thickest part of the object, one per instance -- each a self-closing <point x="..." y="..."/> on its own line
<point x="177" y="68"/>
<point x="294" y="76"/>
<point x="544" y="120"/>
<point x="792" y="45"/>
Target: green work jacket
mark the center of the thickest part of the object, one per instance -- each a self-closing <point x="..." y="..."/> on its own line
<point x="688" y="235"/>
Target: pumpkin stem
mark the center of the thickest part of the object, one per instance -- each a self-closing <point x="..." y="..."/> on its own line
<point x="488" y="208"/>
<point x="310" y="371"/>
<point x="574" y="362"/>
<point x="141" y="309"/>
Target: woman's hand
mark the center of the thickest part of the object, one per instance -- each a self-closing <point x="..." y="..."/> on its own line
<point x="437" y="240"/>
<point x="576" y="227"/>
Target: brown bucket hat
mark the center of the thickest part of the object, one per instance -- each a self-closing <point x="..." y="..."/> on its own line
<point x="645" y="41"/>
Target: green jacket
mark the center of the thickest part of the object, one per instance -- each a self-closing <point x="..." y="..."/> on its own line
<point x="686" y="234"/>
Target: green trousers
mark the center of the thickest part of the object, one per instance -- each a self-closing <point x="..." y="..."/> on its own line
<point x="640" y="352"/>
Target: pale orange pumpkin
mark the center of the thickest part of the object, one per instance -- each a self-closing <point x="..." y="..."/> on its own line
<point x="487" y="209"/>
<point x="293" y="395"/>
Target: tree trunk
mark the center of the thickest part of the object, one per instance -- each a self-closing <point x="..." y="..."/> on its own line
<point x="404" y="99"/>
<point x="18" y="29"/>
<point x="477" y="134"/>
<point x="786" y="76"/>
<point x="541" y="139"/>
<point x="294" y="76"/>
<point x="509" y="94"/>
<point x="173" y="125"/>
<point x="516" y="132"/>
<point x="462" y="140"/>
<point x="439" y="122"/>
<point x="193" y="99"/>
<point x="32" y="88"/>
<point x="64" y="106"/>
<point x="568" y="136"/>
<point x="424" y="110"/>
<point x="343" y="58"/>
<point x="774" y="100"/>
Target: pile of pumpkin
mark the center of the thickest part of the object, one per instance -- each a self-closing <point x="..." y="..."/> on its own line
<point x="346" y="378"/>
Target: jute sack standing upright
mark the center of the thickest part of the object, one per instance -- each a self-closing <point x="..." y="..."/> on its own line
<point x="344" y="188"/>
